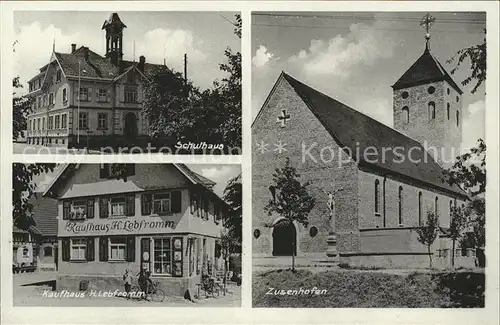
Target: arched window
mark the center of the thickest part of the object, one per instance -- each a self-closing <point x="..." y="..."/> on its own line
<point x="383" y="194"/>
<point x="436" y="206"/>
<point x="377" y="183"/>
<point x="458" y="118"/>
<point x="406" y="115"/>
<point x="400" y="207"/>
<point x="448" y="110"/>
<point x="419" y="208"/>
<point x="431" y="110"/>
<point x="448" y="91"/>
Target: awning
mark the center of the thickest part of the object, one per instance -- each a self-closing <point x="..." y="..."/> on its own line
<point x="115" y="186"/>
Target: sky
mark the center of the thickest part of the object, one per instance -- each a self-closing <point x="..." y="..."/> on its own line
<point x="202" y="35"/>
<point x="220" y="174"/>
<point x="357" y="57"/>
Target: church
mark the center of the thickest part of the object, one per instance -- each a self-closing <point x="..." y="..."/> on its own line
<point x="378" y="202"/>
<point x="83" y="99"/>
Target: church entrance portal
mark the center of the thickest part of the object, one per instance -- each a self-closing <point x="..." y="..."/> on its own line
<point x="130" y="129"/>
<point x="284" y="235"/>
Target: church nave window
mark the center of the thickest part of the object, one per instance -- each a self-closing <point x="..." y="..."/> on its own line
<point x="419" y="208"/>
<point x="458" y="118"/>
<point x="377" y="198"/>
<point x="431" y="110"/>
<point x="400" y="206"/>
<point x="406" y="114"/>
<point x="448" y="110"/>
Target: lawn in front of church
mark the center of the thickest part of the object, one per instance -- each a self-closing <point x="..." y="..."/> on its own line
<point x="368" y="289"/>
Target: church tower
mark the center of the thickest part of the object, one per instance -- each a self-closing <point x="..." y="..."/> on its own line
<point x="114" y="38"/>
<point x="427" y="105"/>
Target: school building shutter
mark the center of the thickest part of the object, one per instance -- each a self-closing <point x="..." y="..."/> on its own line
<point x="130" y="205"/>
<point x="146" y="204"/>
<point x="131" y="249"/>
<point x="90" y="253"/>
<point x="103" y="208"/>
<point x="90" y="209"/>
<point x="66" y="249"/>
<point x="66" y="210"/>
<point x="176" y="201"/>
<point x="103" y="249"/>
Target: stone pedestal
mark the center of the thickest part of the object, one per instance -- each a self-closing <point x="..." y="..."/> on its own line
<point x="331" y="251"/>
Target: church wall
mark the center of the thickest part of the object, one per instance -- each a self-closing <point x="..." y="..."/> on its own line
<point x="377" y="238"/>
<point x="302" y="132"/>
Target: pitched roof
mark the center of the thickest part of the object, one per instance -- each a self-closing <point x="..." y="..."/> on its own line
<point x="45" y="212"/>
<point x="113" y="19"/>
<point x="426" y="69"/>
<point x="97" y="66"/>
<point x="354" y="130"/>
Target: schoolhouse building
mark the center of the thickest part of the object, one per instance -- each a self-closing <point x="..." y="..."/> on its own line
<point x="83" y="99"/>
<point x="164" y="218"/>
<point x="380" y="199"/>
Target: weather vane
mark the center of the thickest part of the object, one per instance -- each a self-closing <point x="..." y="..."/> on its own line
<point x="426" y="23"/>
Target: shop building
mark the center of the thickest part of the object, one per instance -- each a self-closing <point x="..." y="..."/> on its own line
<point x="161" y="217"/>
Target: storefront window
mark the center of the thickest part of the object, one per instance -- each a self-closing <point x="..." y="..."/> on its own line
<point x="78" y="247"/>
<point x="118" y="206"/>
<point x="161" y="203"/>
<point x="117" y="249"/>
<point x="162" y="256"/>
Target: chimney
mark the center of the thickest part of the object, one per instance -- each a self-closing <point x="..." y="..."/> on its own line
<point x="142" y="61"/>
<point x="73" y="48"/>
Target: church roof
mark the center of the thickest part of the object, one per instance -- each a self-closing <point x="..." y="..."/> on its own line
<point x="352" y="129"/>
<point x="426" y="69"/>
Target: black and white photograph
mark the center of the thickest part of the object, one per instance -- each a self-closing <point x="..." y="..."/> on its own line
<point x="368" y="159"/>
<point x="131" y="235"/>
<point x="127" y="82"/>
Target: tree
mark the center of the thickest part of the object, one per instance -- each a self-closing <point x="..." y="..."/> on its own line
<point x="179" y="111"/>
<point x="292" y="200"/>
<point x="233" y="196"/>
<point x="427" y="233"/>
<point x="23" y="188"/>
<point x="477" y="57"/>
<point x="457" y="225"/>
<point x="469" y="172"/>
<point x="21" y="107"/>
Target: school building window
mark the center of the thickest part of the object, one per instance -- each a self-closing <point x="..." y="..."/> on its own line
<point x="102" y="121"/>
<point x="102" y="95"/>
<point x="78" y="248"/>
<point x="58" y="76"/>
<point x="130" y="95"/>
<point x="43" y="123"/>
<point x="65" y="95"/>
<point x="162" y="263"/>
<point x="84" y="94"/>
<point x="57" y="120"/>
<point x="83" y="121"/>
<point x="64" y="121"/>
<point x="51" y="122"/>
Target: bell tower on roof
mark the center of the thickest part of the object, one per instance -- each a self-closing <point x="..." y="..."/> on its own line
<point x="427" y="104"/>
<point x="114" y="38"/>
